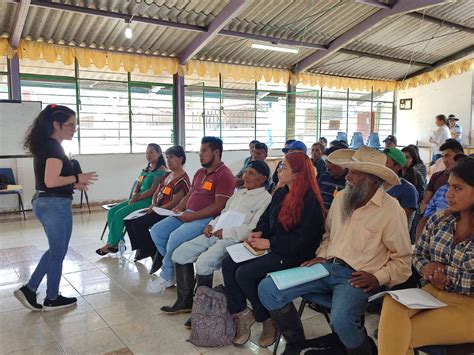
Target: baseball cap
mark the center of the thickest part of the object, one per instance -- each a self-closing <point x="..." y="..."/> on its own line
<point x="453" y="117"/>
<point x="397" y="155"/>
<point x="299" y="145"/>
<point x="391" y="138"/>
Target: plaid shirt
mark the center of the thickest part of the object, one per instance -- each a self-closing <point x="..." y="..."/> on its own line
<point x="436" y="245"/>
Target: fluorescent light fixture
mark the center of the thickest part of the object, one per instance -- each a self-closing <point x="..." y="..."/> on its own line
<point x="275" y="48"/>
<point x="128" y="32"/>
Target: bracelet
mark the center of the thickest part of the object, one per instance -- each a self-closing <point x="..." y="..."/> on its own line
<point x="77" y="178"/>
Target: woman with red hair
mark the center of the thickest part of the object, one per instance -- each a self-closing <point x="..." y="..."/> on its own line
<point x="290" y="229"/>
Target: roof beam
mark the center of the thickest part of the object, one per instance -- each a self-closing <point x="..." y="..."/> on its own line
<point x="455" y="56"/>
<point x="374" y="3"/>
<point x="230" y="11"/>
<point x="116" y="15"/>
<point x="400" y="7"/>
<point x="19" y="23"/>
<point x="385" y="58"/>
<point x="441" y="22"/>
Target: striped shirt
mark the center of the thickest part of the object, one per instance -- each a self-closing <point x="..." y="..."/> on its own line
<point x="329" y="187"/>
<point x="437" y="245"/>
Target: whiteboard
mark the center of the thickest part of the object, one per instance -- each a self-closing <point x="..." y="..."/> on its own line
<point x="15" y="119"/>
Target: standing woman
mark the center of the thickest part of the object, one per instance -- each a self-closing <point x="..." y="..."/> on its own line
<point x="55" y="181"/>
<point x="439" y="136"/>
<point x="291" y="227"/>
<point x="147" y="183"/>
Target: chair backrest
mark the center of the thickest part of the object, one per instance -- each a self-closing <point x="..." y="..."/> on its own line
<point x="374" y="140"/>
<point x="357" y="140"/>
<point x="341" y="136"/>
<point x="8" y="173"/>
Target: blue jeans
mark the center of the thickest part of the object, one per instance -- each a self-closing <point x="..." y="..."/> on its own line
<point x="347" y="303"/>
<point x="55" y="215"/>
<point x="169" y="234"/>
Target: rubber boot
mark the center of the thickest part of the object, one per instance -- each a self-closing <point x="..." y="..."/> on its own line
<point x="185" y="287"/>
<point x="289" y="324"/>
<point x="157" y="262"/>
<point x="201" y="280"/>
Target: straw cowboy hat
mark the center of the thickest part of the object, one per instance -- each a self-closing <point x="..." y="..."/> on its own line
<point x="365" y="160"/>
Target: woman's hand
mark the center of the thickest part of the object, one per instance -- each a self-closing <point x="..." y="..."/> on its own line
<point x="439" y="277"/>
<point x="255" y="235"/>
<point x="208" y="231"/>
<point x="428" y="270"/>
<point x="88" y="178"/>
<point x="259" y="243"/>
<point x="149" y="209"/>
<point x="179" y="208"/>
<point x="81" y="187"/>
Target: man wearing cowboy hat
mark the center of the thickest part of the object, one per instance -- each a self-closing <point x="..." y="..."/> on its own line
<point x="454" y="127"/>
<point x="365" y="246"/>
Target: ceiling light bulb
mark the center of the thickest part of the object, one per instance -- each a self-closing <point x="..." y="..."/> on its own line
<point x="128" y="32"/>
<point x="275" y="48"/>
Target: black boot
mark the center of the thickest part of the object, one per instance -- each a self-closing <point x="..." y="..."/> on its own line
<point x="157" y="262"/>
<point x="364" y="349"/>
<point x="142" y="254"/>
<point x="185" y="288"/>
<point x="289" y="324"/>
<point x="201" y="280"/>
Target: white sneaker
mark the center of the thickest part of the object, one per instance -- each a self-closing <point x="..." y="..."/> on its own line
<point x="163" y="284"/>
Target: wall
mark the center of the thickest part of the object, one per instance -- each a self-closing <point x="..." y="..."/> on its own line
<point x="446" y="96"/>
<point x="116" y="174"/>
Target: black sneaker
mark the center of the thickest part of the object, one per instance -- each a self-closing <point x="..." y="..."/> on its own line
<point x="27" y="298"/>
<point x="58" y="303"/>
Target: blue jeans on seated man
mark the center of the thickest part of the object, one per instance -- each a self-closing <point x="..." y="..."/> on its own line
<point x="169" y="234"/>
<point x="347" y="303"/>
<point x="55" y="215"/>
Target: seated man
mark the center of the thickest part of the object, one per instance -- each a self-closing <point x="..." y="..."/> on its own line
<point x="405" y="192"/>
<point x="323" y="141"/>
<point x="333" y="180"/>
<point x="259" y="152"/>
<point x="209" y="248"/>
<point x="365" y="246"/>
<point x="212" y="186"/>
<point x="317" y="152"/>
<point x="251" y="148"/>
<point x="390" y="141"/>
<point x="291" y="145"/>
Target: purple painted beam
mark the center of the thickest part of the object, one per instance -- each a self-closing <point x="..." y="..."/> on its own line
<point x="18" y="23"/>
<point x="178" y="86"/>
<point x="374" y="3"/>
<point x="400" y="7"/>
<point x="232" y="9"/>
<point x="14" y="77"/>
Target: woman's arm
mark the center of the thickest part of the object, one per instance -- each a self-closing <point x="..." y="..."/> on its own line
<point x="177" y="197"/>
<point x="52" y="173"/>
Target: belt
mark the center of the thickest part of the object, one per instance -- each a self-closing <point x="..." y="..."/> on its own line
<point x="52" y="194"/>
<point x="340" y="262"/>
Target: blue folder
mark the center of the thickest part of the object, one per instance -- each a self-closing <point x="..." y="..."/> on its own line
<point x="298" y="275"/>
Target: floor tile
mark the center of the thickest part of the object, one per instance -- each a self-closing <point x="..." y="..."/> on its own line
<point x="23" y="253"/>
<point x="75" y="324"/>
<point x="52" y="348"/>
<point x="124" y="313"/>
<point x="19" y="318"/>
<point x="26" y="337"/>
<point x="108" y="298"/>
<point x="93" y="342"/>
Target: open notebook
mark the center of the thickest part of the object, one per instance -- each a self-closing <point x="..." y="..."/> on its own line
<point x="298" y="275"/>
<point x="414" y="298"/>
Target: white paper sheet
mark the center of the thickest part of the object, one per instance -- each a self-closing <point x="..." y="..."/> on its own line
<point x="165" y="212"/>
<point x="135" y="214"/>
<point x="229" y="219"/>
<point x="239" y="253"/>
<point x="413" y="298"/>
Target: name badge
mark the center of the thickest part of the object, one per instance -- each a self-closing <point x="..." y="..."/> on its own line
<point x="166" y="190"/>
<point x="207" y="185"/>
<point x="140" y="178"/>
<point x="335" y="193"/>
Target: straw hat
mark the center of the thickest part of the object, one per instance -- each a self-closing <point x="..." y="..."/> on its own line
<point x="365" y="160"/>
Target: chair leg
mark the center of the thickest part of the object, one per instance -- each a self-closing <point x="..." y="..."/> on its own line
<point x="103" y="232"/>
<point x="82" y="195"/>
<point x="21" y="207"/>
<point x="87" y="201"/>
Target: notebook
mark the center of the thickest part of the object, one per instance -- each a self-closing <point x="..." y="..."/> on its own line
<point x="239" y="253"/>
<point x="413" y="298"/>
<point x="298" y="275"/>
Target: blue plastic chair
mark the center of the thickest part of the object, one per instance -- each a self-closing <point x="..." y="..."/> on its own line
<point x="8" y="173"/>
<point x="341" y="136"/>
<point x="357" y="140"/>
<point x="374" y="140"/>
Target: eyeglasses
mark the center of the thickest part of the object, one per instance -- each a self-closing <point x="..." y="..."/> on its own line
<point x="69" y="125"/>
<point x="283" y="166"/>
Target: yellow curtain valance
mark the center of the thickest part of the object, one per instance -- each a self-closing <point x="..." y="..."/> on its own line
<point x="129" y="62"/>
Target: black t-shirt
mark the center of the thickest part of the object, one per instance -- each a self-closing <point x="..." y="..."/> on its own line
<point x="52" y="149"/>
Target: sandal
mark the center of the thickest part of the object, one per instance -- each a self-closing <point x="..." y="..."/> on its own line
<point x="110" y="249"/>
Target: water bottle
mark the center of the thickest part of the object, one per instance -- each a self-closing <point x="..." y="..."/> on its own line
<point x="122" y="249"/>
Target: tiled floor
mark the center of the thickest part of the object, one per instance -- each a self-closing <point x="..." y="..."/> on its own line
<point x="118" y="309"/>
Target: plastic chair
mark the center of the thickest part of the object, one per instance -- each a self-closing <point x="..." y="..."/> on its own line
<point x="109" y="206"/>
<point x="341" y="136"/>
<point x="374" y="140"/>
<point x="78" y="170"/>
<point x="8" y="173"/>
<point x="357" y="140"/>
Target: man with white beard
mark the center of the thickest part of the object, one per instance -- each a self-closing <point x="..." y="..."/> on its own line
<point x="365" y="246"/>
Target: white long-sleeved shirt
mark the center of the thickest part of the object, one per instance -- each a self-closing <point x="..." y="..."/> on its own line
<point x="251" y="203"/>
<point x="439" y="137"/>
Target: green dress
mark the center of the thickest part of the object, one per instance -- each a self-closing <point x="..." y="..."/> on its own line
<point x="116" y="214"/>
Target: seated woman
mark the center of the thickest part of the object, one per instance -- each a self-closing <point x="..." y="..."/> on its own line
<point x="147" y="183"/>
<point x="291" y="227"/>
<point x="173" y="187"/>
<point x="410" y="172"/>
<point x="208" y="249"/>
<point x="444" y="257"/>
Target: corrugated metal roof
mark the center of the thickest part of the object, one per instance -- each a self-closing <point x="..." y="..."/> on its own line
<point x="312" y="21"/>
